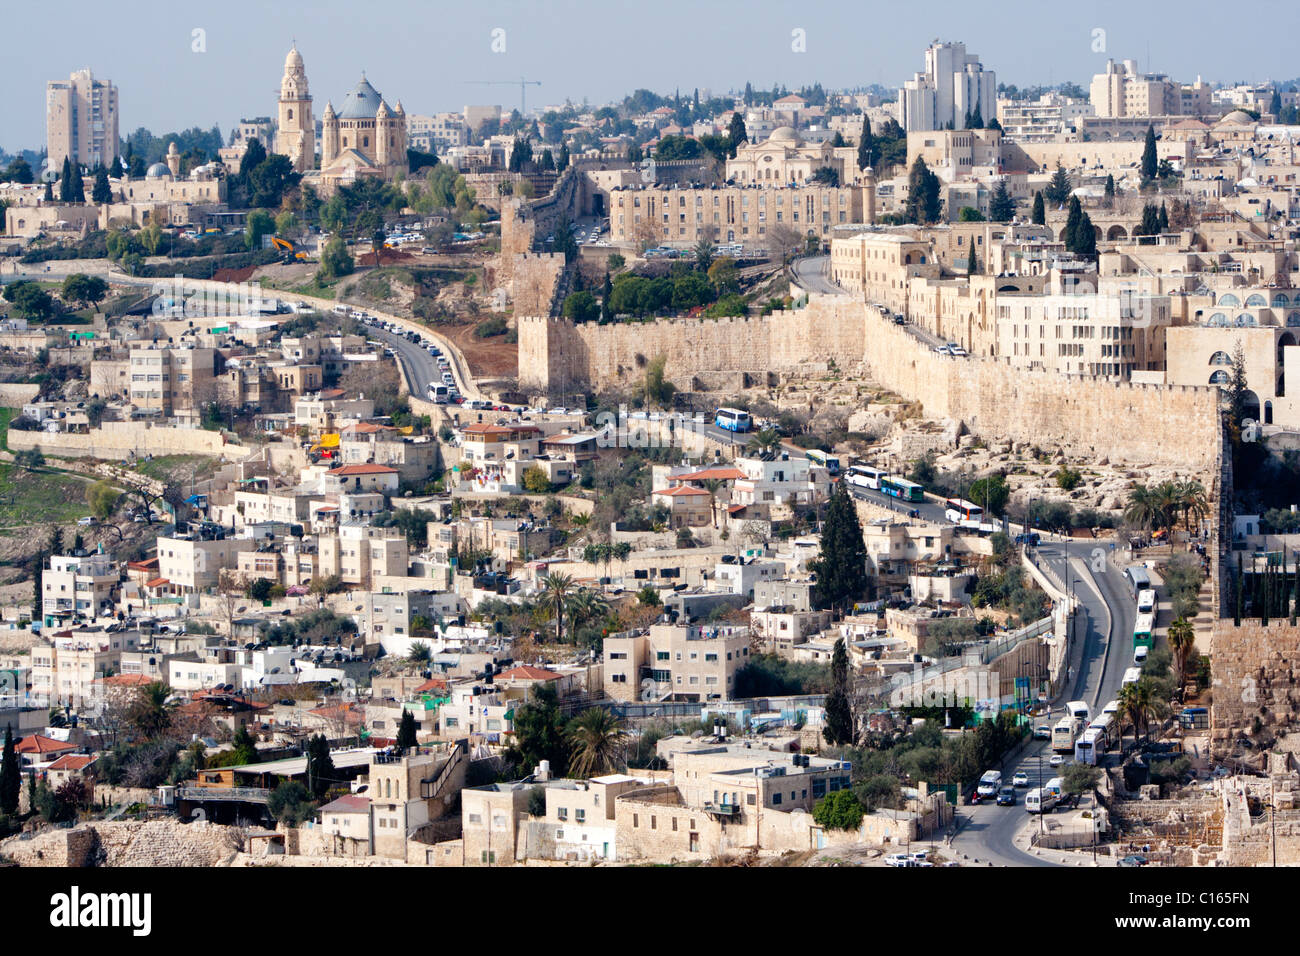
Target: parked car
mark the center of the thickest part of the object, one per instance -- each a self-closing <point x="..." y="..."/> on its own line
<point x="1134" y="860"/>
<point x="899" y="859"/>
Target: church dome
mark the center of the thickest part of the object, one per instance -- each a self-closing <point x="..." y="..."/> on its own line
<point x="1237" y="118"/>
<point x="361" y="103"/>
<point x="158" y="171"/>
<point x="786" y="135"/>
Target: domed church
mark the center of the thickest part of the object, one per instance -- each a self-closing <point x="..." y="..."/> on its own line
<point x="366" y="137"/>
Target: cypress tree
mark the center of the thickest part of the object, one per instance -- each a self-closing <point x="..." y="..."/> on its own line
<point x="841" y="567"/>
<point x="65" y="182"/>
<point x="1085" y="238"/>
<point x="102" y="192"/>
<point x="837" y="720"/>
<point x="1149" y="162"/>
<point x="866" y="145"/>
<point x="1164" y="218"/>
<point x="1110" y="189"/>
<point x="606" y="290"/>
<point x="49" y="191"/>
<point x="10" y="777"/>
<point x="972" y="261"/>
<point x="1039" y="215"/>
<point x="78" y="187"/>
<point x="406" y="732"/>
<point x="1072" y="220"/>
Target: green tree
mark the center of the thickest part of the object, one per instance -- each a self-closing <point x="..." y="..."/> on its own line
<point x="1072" y="220"/>
<point x="102" y="499"/>
<point x="148" y="713"/>
<point x="1149" y="161"/>
<point x="406" y="732"/>
<point x="260" y="223"/>
<point x="992" y="493"/>
<point x="102" y="191"/>
<point x="320" y="766"/>
<point x="65" y="181"/>
<point x="334" y="259"/>
<point x="837" y="718"/>
<point x="291" y="803"/>
<point x="1058" y="190"/>
<point x="924" y="204"/>
<point x="536" y="482"/>
<point x="867" y="153"/>
<point x="736" y="133"/>
<point x="581" y="307"/>
<point x="557" y="588"/>
<point x="1039" y="213"/>
<point x="1001" y="206"/>
<point x="841" y="567"/>
<point x="597" y="743"/>
<point x="537" y="732"/>
<point x="658" y="390"/>
<point x="83" y="289"/>
<point x="841" y="810"/>
<point x="10" y="776"/>
<point x="1079" y="778"/>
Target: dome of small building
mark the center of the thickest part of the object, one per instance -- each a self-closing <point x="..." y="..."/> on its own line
<point x="1237" y="118"/>
<point x="158" y="171"/>
<point x="294" y="59"/>
<point x="786" y="134"/>
<point x="361" y="103"/>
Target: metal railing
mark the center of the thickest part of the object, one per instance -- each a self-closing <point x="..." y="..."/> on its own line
<point x="244" y="794"/>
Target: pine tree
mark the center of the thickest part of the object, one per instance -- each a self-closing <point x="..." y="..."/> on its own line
<point x="1058" y="190"/>
<point x="1072" y="220"/>
<point x="1163" y="224"/>
<point x="1039" y="215"/>
<point x="10" y="777"/>
<point x="406" y="732"/>
<point x="866" y="145"/>
<point x="606" y="290"/>
<point x="841" y="567"/>
<point x="1149" y="162"/>
<point x="49" y="191"/>
<point x="736" y="133"/>
<point x="837" y="717"/>
<point x="1085" y="238"/>
<point x="1110" y="190"/>
<point x="78" y="187"/>
<point x="1001" y="206"/>
<point x="102" y="192"/>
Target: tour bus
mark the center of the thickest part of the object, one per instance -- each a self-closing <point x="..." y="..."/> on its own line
<point x="439" y="393"/>
<point x="733" y="419"/>
<point x="1090" y="746"/>
<point x="962" y="512"/>
<point x="1138" y="579"/>
<point x="1039" y="800"/>
<point x="1104" y="725"/>
<point x="1079" y="709"/>
<point x="1143" y="627"/>
<point x="1146" y="601"/>
<point x="1111" y="709"/>
<point x="902" y="488"/>
<point x="1131" y="676"/>
<point x="864" y="477"/>
<point x="830" y="462"/>
<point x="1064" y="734"/>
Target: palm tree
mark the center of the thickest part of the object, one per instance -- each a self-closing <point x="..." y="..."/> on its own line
<point x="1133" y="707"/>
<point x="1167" y="504"/>
<point x="1194" y="502"/>
<point x="765" y="440"/>
<point x="587" y="605"/>
<point x="713" y="486"/>
<point x="1143" y="509"/>
<point x="556" y="590"/>
<point x="580" y="521"/>
<point x="598" y="741"/>
<point x="1182" y="638"/>
<point x="149" y="713"/>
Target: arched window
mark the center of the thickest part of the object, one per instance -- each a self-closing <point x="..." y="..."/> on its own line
<point x="1229" y="299"/>
<point x="1268" y="413"/>
<point x="1218" y="319"/>
<point x="291" y="113"/>
<point x="365" y="141"/>
<point x="1280" y="300"/>
<point x="1244" y="319"/>
<point x="1293" y="320"/>
<point x="1220" y="358"/>
<point x="1220" y="378"/>
<point x="1256" y="301"/>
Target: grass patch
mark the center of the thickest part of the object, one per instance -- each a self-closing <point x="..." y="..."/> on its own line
<point x="175" y="467"/>
<point x="39" y="497"/>
<point x="5" y="415"/>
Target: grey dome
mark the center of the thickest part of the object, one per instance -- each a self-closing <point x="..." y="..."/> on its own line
<point x="157" y="171"/>
<point x="361" y="103"/>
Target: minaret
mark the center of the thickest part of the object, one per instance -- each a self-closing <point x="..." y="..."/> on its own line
<point x="174" y="160"/>
<point x="296" y="137"/>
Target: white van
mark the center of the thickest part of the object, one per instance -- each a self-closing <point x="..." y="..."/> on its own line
<point x="1140" y="654"/>
<point x="1036" y="801"/>
<point x="1077" y="708"/>
<point x="990" y="784"/>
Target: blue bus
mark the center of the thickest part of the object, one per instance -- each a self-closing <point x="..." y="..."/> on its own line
<point x="733" y="419"/>
<point x="902" y="488"/>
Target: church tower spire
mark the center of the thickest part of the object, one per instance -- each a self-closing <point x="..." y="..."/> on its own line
<point x="296" y="137"/>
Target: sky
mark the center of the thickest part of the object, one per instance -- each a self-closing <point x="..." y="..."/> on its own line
<point x="179" y="65"/>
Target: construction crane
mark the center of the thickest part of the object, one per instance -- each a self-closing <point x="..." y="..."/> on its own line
<point x="523" y="85"/>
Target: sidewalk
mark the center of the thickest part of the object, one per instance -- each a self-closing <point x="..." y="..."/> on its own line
<point x="1082" y="857"/>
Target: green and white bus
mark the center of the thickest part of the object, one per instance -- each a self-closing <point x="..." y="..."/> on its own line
<point x="902" y="488"/>
<point x="1143" y="630"/>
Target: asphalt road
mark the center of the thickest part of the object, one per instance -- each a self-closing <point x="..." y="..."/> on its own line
<point x="419" y="367"/>
<point x="813" y="275"/>
<point x="1104" y="623"/>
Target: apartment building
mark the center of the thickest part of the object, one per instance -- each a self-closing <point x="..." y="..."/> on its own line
<point x="772" y="478"/>
<point x="167" y="380"/>
<point x="1047" y="118"/>
<point x="675" y="662"/>
<point x="436" y="133"/>
<point x="67" y="666"/>
<point x="953" y="86"/>
<point x="192" y="563"/>
<point x="81" y="120"/>
<point x="683" y="216"/>
<point x="877" y="264"/>
<point x="77" y="586"/>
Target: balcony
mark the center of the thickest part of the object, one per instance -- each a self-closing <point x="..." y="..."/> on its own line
<point x="726" y="811"/>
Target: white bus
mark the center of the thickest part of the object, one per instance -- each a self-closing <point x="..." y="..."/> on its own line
<point x="1064" y="734"/>
<point x="1090" y="746"/>
<point x="1146" y="601"/>
<point x="830" y="462"/>
<point x="733" y="419"/>
<point x="1131" y="676"/>
<point x="1079" y="709"/>
<point x="962" y="512"/>
<point x="439" y="394"/>
<point x="864" y="476"/>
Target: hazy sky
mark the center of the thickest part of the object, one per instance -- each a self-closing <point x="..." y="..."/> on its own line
<point x="424" y="52"/>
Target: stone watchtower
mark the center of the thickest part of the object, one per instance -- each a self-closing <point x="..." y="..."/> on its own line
<point x="296" y="136"/>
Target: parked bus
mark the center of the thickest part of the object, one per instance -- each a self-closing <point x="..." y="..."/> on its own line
<point x="1131" y="676"/>
<point x="1138" y="579"/>
<point x="902" y="488"/>
<point x="1079" y="709"/>
<point x="1064" y="734"/>
<point x="1146" y="601"/>
<point x="733" y="419"/>
<point x="864" y="476"/>
<point x="438" y="393"/>
<point x="962" y="512"/>
<point x="1104" y="725"/>
<point x="1090" y="746"/>
<point x="1143" y="627"/>
<point x="830" y="462"/>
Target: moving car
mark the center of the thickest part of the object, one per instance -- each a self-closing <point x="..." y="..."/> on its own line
<point x="1042" y="732"/>
<point x="1021" y="779"/>
<point x="1057" y="760"/>
<point x="1007" y="797"/>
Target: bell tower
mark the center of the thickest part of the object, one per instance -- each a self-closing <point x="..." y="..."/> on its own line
<point x="296" y="136"/>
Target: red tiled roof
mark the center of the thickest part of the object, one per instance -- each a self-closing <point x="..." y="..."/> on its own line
<point x="719" y="474"/>
<point x="351" y="803"/>
<point x="681" y="491"/>
<point x="150" y="565"/>
<point x="487" y="428"/>
<point x="528" y="672"/>
<point x="71" y="762"/>
<point x="431" y="684"/>
<point x="37" y="744"/>
<point x="156" y="582"/>
<point x="126" y="680"/>
<point x="348" y="470"/>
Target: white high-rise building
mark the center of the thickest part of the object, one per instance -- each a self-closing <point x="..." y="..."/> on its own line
<point x="953" y="85"/>
<point x="81" y="120"/>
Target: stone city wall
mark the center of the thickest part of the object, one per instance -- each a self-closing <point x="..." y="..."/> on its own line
<point x="1256" y="675"/>
<point x="118" y="440"/>
<point x="159" y="843"/>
